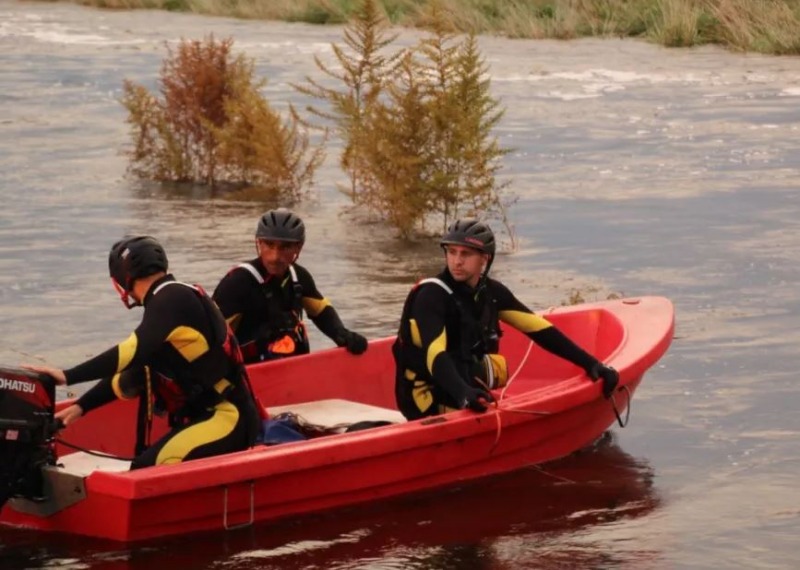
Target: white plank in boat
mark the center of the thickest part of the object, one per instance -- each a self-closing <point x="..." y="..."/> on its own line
<point x="334" y="412"/>
<point x="83" y="464"/>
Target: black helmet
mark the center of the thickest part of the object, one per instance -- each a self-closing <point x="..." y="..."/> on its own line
<point x="470" y="233"/>
<point x="133" y="258"/>
<point x="281" y="225"/>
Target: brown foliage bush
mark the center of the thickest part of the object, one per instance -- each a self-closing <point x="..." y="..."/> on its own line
<point x="212" y="126"/>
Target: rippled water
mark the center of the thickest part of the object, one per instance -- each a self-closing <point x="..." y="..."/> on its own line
<point x="637" y="169"/>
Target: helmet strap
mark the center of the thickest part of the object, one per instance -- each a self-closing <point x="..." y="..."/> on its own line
<point x="124" y="295"/>
<point x="485" y="274"/>
<point x="488" y="266"/>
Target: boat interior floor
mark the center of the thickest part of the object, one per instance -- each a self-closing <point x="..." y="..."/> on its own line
<point x="327" y="413"/>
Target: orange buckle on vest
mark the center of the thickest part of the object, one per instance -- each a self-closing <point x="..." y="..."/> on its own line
<point x="284" y="345"/>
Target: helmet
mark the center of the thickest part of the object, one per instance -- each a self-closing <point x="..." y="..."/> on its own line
<point x="281" y="225"/>
<point x="132" y="258"/>
<point x="470" y="233"/>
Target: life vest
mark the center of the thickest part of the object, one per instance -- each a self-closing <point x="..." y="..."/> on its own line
<point x="283" y="332"/>
<point x="479" y="338"/>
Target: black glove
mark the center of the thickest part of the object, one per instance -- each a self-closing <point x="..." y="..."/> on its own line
<point x="353" y="342"/>
<point x="610" y="377"/>
<point x="472" y="399"/>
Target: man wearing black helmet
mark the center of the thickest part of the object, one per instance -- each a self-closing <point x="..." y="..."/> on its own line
<point x="264" y="299"/>
<point x="181" y="360"/>
<point x="446" y="353"/>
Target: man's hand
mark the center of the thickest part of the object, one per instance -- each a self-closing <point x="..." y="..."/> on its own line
<point x="69" y="414"/>
<point x="609" y="376"/>
<point x="476" y="399"/>
<point x="56" y="373"/>
<point x="353" y="342"/>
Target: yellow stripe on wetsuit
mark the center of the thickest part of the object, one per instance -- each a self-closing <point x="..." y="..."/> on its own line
<point x="421" y="391"/>
<point x="126" y="351"/>
<point x="524" y="322"/>
<point x="435" y="348"/>
<point x="315" y="306"/>
<point x="218" y="426"/>
<point x="189" y="342"/>
<point x="119" y="392"/>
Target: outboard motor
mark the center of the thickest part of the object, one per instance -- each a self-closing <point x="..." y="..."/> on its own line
<point x="27" y="429"/>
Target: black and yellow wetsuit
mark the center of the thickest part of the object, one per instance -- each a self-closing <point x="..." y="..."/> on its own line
<point x="449" y="333"/>
<point x="266" y="311"/>
<point x="183" y="358"/>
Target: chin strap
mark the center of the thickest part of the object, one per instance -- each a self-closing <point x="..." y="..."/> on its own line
<point x="124" y="295"/>
<point x="484" y="275"/>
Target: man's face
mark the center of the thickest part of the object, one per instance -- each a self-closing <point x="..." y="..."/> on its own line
<point x="277" y="256"/>
<point x="465" y="264"/>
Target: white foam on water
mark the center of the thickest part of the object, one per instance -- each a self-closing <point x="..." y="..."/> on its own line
<point x="593" y="83"/>
<point x="34" y="27"/>
<point x="284" y="46"/>
<point x="302" y="546"/>
<point x="566" y="96"/>
<point x="610" y="76"/>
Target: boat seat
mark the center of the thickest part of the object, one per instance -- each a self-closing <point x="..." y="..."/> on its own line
<point x="83" y="464"/>
<point x="336" y="412"/>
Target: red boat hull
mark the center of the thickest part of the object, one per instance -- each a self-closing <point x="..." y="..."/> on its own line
<point x="549" y="410"/>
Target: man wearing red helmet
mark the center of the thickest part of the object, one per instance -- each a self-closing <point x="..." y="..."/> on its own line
<point x="265" y="298"/>
<point x="449" y="332"/>
<point x="182" y="355"/>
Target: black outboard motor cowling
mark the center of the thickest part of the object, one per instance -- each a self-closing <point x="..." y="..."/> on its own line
<point x="27" y="428"/>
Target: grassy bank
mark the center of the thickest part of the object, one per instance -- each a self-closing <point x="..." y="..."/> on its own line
<point x="765" y="26"/>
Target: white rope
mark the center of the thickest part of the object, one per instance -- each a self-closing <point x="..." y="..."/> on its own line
<point x="519" y="368"/>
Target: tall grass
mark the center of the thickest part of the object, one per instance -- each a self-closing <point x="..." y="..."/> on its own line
<point x="765" y="26"/>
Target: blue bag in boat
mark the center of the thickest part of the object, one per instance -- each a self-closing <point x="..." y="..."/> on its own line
<point x="280" y="429"/>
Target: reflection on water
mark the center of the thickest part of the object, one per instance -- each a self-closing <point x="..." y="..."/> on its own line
<point x="534" y="518"/>
<point x="637" y="169"/>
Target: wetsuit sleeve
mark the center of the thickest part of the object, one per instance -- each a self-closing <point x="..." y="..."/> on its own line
<point x="231" y="295"/>
<point x="428" y="319"/>
<point x="319" y="309"/>
<point x="160" y="320"/>
<point x="541" y="331"/>
<point x="98" y="395"/>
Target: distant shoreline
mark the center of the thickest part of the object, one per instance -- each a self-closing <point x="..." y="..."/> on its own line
<point x="738" y="25"/>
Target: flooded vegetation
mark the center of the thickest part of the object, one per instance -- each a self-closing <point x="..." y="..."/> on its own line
<point x="637" y="170"/>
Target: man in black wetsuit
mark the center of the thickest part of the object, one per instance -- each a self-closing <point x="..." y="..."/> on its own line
<point x="182" y="354"/>
<point x="449" y="332"/>
<point x="264" y="299"/>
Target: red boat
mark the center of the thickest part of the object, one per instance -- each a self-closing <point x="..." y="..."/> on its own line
<point x="548" y="410"/>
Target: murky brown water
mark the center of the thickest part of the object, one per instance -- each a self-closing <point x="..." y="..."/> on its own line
<point x="637" y="169"/>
